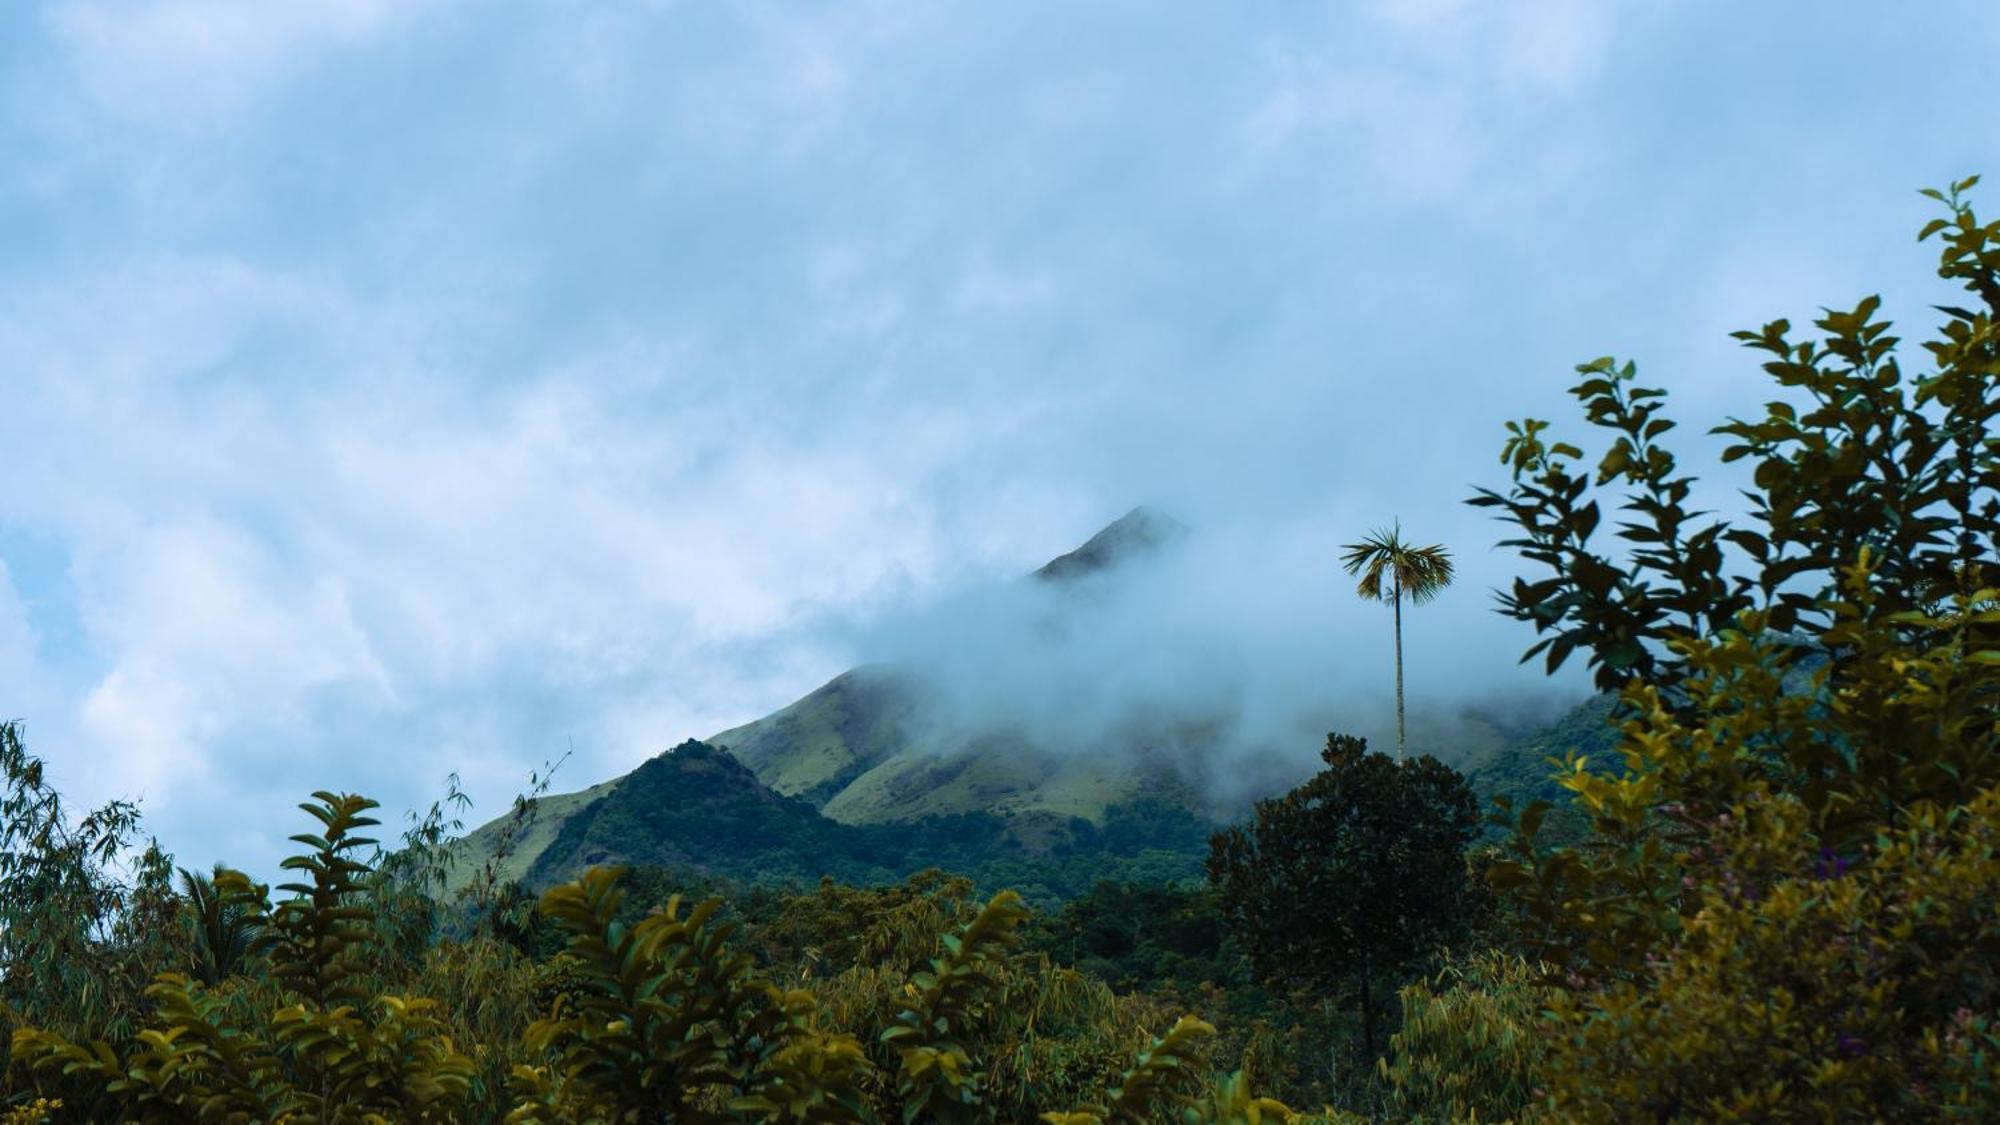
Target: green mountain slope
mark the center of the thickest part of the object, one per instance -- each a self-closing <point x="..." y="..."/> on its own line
<point x="868" y="747"/>
<point x="818" y="746"/>
<point x="696" y="810"/>
<point x="865" y="748"/>
<point x="869" y="750"/>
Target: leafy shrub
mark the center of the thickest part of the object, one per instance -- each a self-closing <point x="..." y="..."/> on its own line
<point x="1472" y="1043"/>
<point x="1783" y="908"/>
<point x="665" y="1020"/>
<point x="78" y="940"/>
<point x="332" y="1054"/>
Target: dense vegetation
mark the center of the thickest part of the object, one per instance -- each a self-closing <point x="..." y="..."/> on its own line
<point x="696" y="809"/>
<point x="1772" y="900"/>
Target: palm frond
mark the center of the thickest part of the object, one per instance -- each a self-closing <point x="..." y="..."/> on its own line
<point x="1389" y="567"/>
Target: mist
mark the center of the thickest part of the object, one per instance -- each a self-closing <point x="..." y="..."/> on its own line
<point x="1232" y="650"/>
<point x="390" y="390"/>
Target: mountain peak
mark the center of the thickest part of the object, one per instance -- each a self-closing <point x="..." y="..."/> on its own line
<point x="1140" y="531"/>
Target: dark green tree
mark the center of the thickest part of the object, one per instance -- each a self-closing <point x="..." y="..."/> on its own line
<point x="1354" y="878"/>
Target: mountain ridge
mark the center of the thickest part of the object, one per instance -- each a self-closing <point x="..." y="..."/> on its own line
<point x="872" y="748"/>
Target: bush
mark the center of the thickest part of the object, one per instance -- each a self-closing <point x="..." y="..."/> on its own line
<point x="1783" y="908"/>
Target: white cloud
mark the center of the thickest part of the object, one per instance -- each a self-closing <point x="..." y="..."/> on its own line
<point x="160" y="58"/>
<point x="1555" y="44"/>
<point x="416" y="386"/>
<point x="1419" y="15"/>
<point x="19" y="670"/>
<point x="206" y="633"/>
<point x="1552" y="44"/>
<point x="1413" y="136"/>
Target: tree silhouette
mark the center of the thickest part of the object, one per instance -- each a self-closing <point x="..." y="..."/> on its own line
<point x="1353" y="879"/>
<point x="1390" y="571"/>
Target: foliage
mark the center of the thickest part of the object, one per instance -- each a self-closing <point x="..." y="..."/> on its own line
<point x="664" y="1020"/>
<point x="1042" y="1034"/>
<point x="1772" y="898"/>
<point x="1471" y="1047"/>
<point x="894" y="928"/>
<point x="224" y="921"/>
<point x="1149" y="936"/>
<point x="65" y="959"/>
<point x="1900" y="467"/>
<point x="1392" y="570"/>
<point x="945" y="1005"/>
<point x="332" y="1054"/>
<point x="37" y="1112"/>
<point x="1157" y="1084"/>
<point x="409" y="884"/>
<point x="1783" y="908"/>
<point x="1356" y="875"/>
<point x="1806" y="985"/>
<point x="699" y="811"/>
<point x="659" y="1017"/>
<point x="1530" y="769"/>
<point x="911" y="1002"/>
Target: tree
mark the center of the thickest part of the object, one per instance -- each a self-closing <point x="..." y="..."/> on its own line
<point x="1390" y="571"/>
<point x="1356" y="875"/>
<point x="328" y="1048"/>
<point x="1783" y="910"/>
<point x="224" y="919"/>
<point x="63" y="960"/>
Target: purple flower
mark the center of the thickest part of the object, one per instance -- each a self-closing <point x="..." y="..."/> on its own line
<point x="1852" y="1046"/>
<point x="1829" y="865"/>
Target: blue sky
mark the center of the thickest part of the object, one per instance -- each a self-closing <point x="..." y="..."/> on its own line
<point x="396" y="388"/>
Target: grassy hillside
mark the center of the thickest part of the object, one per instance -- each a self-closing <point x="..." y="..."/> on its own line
<point x="1138" y="532"/>
<point x="696" y="809"/>
<point x="816" y="747"/>
<point x="869" y="747"/>
<point x="524" y="841"/>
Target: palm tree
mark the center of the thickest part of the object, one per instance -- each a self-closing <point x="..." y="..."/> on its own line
<point x="224" y="921"/>
<point x="1390" y="571"/>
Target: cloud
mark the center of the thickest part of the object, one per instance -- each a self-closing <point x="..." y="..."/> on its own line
<point x="1553" y="45"/>
<point x="162" y="58"/>
<point x="1249" y="629"/>
<point x="404" y="388"/>
<point x="18" y="665"/>
<point x="209" y="633"/>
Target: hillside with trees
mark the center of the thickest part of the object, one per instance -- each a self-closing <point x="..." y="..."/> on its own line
<point x="1771" y="899"/>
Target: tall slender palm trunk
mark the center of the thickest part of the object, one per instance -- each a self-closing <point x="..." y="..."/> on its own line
<point x="1383" y="559"/>
<point x="1397" y="601"/>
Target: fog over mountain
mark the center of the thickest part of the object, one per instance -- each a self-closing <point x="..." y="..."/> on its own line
<point x="392" y="389"/>
<point x="1046" y="706"/>
<point x="1257" y="640"/>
